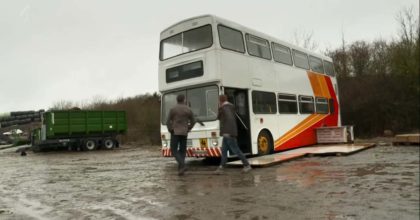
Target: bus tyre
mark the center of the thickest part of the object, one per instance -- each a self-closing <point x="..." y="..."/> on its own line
<point x="109" y="144"/>
<point x="265" y="143"/>
<point x="90" y="145"/>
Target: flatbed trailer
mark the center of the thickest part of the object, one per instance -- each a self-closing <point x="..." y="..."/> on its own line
<point x="78" y="129"/>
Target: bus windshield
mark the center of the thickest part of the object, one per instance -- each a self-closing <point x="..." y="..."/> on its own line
<point x="203" y="102"/>
<point x="185" y="42"/>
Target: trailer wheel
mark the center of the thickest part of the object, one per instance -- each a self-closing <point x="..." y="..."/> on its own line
<point x="36" y="149"/>
<point x="90" y="145"/>
<point x="109" y="144"/>
<point x="265" y="143"/>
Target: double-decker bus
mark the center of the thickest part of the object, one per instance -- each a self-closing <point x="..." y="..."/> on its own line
<point x="281" y="92"/>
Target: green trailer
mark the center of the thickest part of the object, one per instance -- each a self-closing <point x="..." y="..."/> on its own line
<point x="78" y="129"/>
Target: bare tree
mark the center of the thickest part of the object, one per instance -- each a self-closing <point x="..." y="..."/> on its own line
<point x="379" y="53"/>
<point x="341" y="58"/>
<point x="62" y="105"/>
<point x="305" y="39"/>
<point x="360" y="57"/>
<point x="409" y="25"/>
<point x="98" y="102"/>
<point x="405" y="53"/>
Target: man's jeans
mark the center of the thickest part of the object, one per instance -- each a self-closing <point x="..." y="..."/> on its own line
<point x="230" y="143"/>
<point x="179" y="148"/>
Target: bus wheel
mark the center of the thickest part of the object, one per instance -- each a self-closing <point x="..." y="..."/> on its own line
<point x="265" y="144"/>
<point x="108" y="144"/>
<point x="90" y="145"/>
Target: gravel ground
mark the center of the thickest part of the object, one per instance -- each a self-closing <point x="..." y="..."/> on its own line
<point x="137" y="183"/>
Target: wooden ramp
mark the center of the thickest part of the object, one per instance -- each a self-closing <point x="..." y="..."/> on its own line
<point x="334" y="149"/>
<point x="406" y="139"/>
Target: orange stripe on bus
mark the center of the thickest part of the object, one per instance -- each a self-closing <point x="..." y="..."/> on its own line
<point x="323" y="86"/>
<point x="305" y="124"/>
<point x="316" y="86"/>
<point x="319" y="85"/>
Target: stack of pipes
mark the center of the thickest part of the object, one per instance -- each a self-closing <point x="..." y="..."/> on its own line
<point x="20" y="118"/>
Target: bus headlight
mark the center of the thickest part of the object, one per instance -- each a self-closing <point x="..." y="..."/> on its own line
<point x="164" y="141"/>
<point x="214" y="142"/>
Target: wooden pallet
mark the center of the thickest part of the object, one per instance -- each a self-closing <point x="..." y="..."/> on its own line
<point x="406" y="139"/>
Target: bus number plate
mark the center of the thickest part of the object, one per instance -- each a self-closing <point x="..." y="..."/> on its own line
<point x="203" y="142"/>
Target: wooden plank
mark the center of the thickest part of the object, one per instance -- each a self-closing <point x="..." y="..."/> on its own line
<point x="268" y="160"/>
<point x="415" y="138"/>
<point x="406" y="139"/>
<point x="333" y="149"/>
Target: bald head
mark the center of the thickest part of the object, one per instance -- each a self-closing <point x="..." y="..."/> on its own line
<point x="223" y="98"/>
<point x="180" y="98"/>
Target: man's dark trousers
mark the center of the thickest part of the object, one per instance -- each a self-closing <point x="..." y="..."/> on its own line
<point x="178" y="149"/>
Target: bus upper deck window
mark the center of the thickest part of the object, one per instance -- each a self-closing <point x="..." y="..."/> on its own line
<point x="231" y="39"/>
<point x="316" y="64"/>
<point x="187" y="41"/>
<point x="301" y="59"/>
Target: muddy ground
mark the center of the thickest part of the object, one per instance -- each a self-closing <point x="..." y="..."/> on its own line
<point x="136" y="183"/>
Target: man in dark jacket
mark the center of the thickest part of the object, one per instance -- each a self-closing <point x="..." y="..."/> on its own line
<point x="229" y="132"/>
<point x="180" y="121"/>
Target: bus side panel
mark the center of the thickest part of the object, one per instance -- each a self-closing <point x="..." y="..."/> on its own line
<point x="301" y="135"/>
<point x="304" y="132"/>
<point x="233" y="69"/>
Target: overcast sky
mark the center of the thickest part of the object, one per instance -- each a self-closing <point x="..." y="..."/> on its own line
<point x="53" y="50"/>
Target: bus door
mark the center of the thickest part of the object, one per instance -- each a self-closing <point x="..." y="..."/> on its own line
<point x="239" y="98"/>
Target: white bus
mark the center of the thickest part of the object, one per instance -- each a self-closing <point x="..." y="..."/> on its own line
<point x="281" y="92"/>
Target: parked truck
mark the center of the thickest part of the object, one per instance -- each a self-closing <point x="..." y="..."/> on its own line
<point x="78" y="129"/>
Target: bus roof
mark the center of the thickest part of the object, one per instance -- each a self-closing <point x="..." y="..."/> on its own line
<point x="250" y="31"/>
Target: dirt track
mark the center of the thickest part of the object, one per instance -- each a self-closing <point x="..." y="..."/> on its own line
<point x="136" y="183"/>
